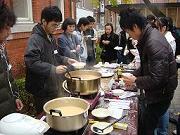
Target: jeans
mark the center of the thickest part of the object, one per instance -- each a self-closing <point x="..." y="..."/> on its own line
<point x="149" y="116"/>
<point x="120" y="57"/>
<point x="163" y="125"/>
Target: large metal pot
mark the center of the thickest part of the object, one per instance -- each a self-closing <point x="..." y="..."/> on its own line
<point x="85" y="82"/>
<point x="59" y="121"/>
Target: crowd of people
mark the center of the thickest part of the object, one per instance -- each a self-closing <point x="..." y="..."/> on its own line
<point x="47" y="59"/>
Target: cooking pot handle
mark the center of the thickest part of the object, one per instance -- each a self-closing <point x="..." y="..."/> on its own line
<point x="55" y="111"/>
<point x="72" y="94"/>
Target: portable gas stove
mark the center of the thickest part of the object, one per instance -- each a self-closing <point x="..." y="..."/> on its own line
<point x="92" y="99"/>
<point x="82" y="131"/>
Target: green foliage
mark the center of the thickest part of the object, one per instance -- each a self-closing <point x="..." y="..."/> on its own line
<point x="95" y="3"/>
<point x="113" y="2"/>
<point x="127" y="1"/>
<point x="26" y="97"/>
<point x="98" y="53"/>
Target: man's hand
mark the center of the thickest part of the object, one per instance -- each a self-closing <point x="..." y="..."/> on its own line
<point x="105" y="42"/>
<point x="71" y="61"/>
<point x="129" y="81"/>
<point x="19" y="105"/>
<point x="78" y="47"/>
<point x="60" y="69"/>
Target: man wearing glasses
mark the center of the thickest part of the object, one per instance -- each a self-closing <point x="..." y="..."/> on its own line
<point x="44" y="64"/>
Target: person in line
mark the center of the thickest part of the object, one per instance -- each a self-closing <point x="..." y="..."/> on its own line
<point x="157" y="75"/>
<point x="68" y="42"/>
<point x="163" y="26"/>
<point x="151" y="19"/>
<point x="108" y="41"/>
<point x="82" y="26"/>
<point x="90" y="34"/>
<point x="44" y="63"/>
<point x="9" y="95"/>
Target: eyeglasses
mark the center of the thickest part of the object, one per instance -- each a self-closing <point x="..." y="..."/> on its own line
<point x="56" y="25"/>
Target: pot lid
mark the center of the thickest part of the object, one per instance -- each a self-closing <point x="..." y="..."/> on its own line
<point x="14" y="117"/>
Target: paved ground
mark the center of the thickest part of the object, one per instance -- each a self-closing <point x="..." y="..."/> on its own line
<point x="176" y="99"/>
<point x="175" y="105"/>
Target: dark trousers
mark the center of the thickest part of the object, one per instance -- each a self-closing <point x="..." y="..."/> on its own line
<point x="39" y="103"/>
<point x="91" y="60"/>
<point x="149" y="115"/>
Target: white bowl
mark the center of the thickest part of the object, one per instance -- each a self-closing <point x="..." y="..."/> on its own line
<point x="102" y="125"/>
<point x="178" y="60"/>
<point x="79" y="65"/>
<point x="109" y="74"/>
<point x="126" y="74"/>
<point x="178" y="57"/>
<point x="100" y="113"/>
<point x="117" y="92"/>
<point x="118" y="48"/>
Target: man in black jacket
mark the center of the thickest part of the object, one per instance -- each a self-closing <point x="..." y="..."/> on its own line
<point x="157" y="75"/>
<point x="9" y="97"/>
<point x="43" y="62"/>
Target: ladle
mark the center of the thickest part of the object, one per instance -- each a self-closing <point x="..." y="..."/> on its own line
<point x="67" y="70"/>
<point x="98" y="130"/>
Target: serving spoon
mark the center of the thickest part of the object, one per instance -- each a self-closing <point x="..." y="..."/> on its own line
<point x="98" y="130"/>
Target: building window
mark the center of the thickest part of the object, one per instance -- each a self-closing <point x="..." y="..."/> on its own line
<point x="83" y="3"/>
<point x="23" y="10"/>
<point x="60" y="4"/>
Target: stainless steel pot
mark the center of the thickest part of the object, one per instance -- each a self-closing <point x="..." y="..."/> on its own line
<point x="85" y="82"/>
<point x="66" y="123"/>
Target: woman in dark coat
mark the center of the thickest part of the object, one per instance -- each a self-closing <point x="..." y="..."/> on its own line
<point x="108" y="41"/>
<point x="9" y="96"/>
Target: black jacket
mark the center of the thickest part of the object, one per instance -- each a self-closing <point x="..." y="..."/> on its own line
<point x="157" y="75"/>
<point x="108" y="52"/>
<point x="41" y="58"/>
<point x="7" y="97"/>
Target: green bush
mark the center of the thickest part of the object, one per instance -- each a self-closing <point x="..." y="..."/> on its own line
<point x="98" y="53"/>
<point x="26" y="98"/>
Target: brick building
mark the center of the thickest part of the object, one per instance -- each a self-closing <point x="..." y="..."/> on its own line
<point x="28" y="14"/>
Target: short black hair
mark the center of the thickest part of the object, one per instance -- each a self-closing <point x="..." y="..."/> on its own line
<point x="129" y="17"/>
<point x="170" y="23"/>
<point x="7" y="17"/>
<point x="110" y="24"/>
<point x="68" y="21"/>
<point x="151" y="18"/>
<point x="84" y="21"/>
<point x="91" y="19"/>
<point x="162" y="21"/>
<point x="51" y="13"/>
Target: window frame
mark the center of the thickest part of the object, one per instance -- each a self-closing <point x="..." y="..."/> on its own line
<point x="29" y="19"/>
<point x="61" y="8"/>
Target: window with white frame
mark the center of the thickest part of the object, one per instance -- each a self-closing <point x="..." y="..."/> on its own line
<point x="23" y="10"/>
<point x="60" y="4"/>
<point x="82" y="3"/>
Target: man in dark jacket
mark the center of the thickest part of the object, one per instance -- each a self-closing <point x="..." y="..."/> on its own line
<point x="91" y="60"/>
<point x="157" y="76"/>
<point x="9" y="97"/>
<point x="43" y="62"/>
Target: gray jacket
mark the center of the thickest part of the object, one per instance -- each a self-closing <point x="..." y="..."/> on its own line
<point x="41" y="58"/>
<point x="67" y="43"/>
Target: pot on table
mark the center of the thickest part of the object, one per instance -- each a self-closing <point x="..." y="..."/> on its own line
<point x="85" y="82"/>
<point x="59" y="120"/>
